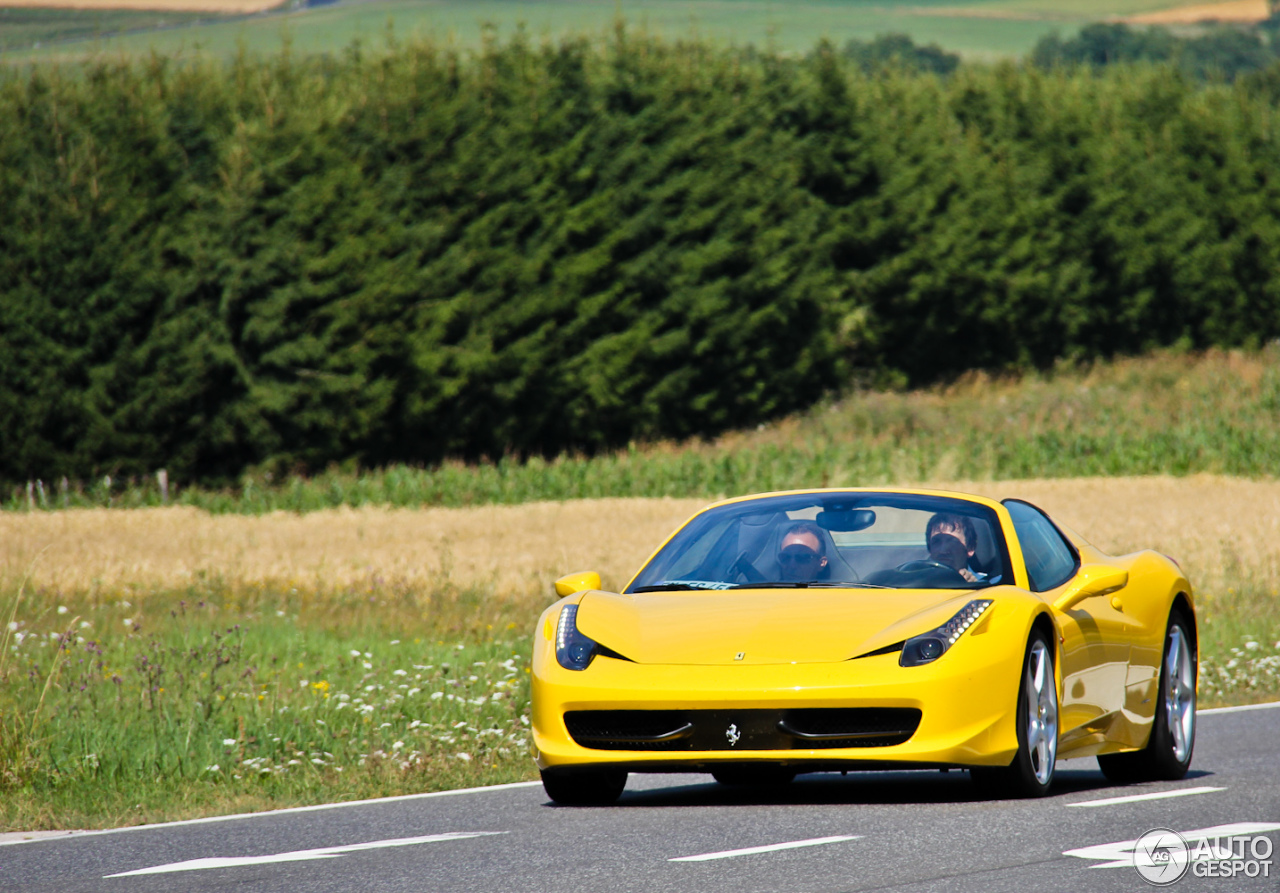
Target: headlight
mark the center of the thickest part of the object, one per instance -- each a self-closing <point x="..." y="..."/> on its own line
<point x="932" y="645"/>
<point x="574" y="651"/>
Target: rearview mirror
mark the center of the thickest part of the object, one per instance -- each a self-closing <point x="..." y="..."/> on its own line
<point x="846" y="520"/>
<point x="1091" y="580"/>
<point x="579" y="582"/>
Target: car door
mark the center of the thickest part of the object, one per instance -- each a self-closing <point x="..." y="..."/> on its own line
<point x="1094" y="641"/>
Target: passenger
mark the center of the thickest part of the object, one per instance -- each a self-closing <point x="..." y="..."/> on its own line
<point x="952" y="541"/>
<point x="801" y="555"/>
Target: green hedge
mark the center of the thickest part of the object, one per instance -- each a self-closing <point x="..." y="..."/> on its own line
<point x="403" y="256"/>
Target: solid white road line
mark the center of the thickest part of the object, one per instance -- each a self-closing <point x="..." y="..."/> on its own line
<point x="331" y="852"/>
<point x="750" y="851"/>
<point x="1266" y="706"/>
<point x="293" y="809"/>
<point x="1135" y="798"/>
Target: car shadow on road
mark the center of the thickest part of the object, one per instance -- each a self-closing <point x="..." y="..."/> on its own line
<point x="857" y="788"/>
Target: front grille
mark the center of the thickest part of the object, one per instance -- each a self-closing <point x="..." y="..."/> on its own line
<point x="807" y="728"/>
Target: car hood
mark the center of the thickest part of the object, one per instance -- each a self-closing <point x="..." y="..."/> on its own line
<point x="773" y="626"/>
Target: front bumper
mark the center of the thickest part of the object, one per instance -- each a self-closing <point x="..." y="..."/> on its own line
<point x="966" y="701"/>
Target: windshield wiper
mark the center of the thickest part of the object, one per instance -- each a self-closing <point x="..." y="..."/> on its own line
<point x="811" y="584"/>
<point x="681" y="585"/>
<point x="774" y="585"/>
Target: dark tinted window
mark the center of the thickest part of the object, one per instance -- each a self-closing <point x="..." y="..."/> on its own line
<point x="1050" y="560"/>
<point x="889" y="540"/>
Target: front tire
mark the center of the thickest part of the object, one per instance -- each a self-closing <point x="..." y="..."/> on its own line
<point x="1031" y="772"/>
<point x="1167" y="756"/>
<point x="584" y="787"/>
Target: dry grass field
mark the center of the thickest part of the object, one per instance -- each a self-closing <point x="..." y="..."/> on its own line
<point x="1221" y="529"/>
<point x="1228" y="11"/>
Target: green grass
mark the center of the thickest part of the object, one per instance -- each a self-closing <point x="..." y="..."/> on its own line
<point x="32" y="28"/>
<point x="165" y="705"/>
<point x="1168" y="413"/>
<point x="1239" y="645"/>
<point x="1004" y="28"/>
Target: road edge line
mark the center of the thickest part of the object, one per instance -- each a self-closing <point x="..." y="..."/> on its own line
<point x="1241" y="709"/>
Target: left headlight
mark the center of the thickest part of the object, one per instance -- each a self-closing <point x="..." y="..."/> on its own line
<point x="574" y="651"/>
<point x="930" y="646"/>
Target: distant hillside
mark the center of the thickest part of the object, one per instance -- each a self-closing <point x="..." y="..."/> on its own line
<point x="974" y="28"/>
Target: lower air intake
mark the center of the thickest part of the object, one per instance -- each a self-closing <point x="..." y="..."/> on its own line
<point x="808" y="728"/>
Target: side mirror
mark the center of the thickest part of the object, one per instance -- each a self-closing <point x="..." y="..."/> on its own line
<point x="578" y="582"/>
<point x="1091" y="580"/>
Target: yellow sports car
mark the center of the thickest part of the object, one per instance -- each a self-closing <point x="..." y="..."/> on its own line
<point x="867" y="629"/>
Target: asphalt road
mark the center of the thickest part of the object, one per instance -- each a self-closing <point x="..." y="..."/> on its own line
<point x="918" y="831"/>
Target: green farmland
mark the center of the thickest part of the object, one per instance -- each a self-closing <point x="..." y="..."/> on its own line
<point x="976" y="28"/>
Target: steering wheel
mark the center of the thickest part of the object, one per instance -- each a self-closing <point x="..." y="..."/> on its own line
<point x="925" y="565"/>
<point x="748" y="570"/>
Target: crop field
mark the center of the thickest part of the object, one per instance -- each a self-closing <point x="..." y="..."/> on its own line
<point x="167" y="663"/>
<point x="976" y="28"/>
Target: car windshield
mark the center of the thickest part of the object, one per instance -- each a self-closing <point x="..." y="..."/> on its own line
<point x="833" y="539"/>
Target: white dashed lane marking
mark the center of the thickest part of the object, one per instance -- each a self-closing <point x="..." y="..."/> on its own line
<point x="771" y="848"/>
<point x="1137" y="798"/>
<point x="331" y="852"/>
<point x="1120" y="853"/>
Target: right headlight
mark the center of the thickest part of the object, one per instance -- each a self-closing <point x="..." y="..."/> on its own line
<point x="926" y="648"/>
<point x="574" y="651"/>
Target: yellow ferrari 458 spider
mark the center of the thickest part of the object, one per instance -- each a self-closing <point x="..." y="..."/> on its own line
<point x="867" y="629"/>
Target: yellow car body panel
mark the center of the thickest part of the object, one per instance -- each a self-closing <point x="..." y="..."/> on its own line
<point x="783" y="649"/>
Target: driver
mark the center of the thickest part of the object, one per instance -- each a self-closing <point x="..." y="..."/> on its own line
<point x="952" y="541"/>
<point x="801" y="556"/>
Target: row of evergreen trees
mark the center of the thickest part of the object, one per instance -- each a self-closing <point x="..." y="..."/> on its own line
<point x="416" y="254"/>
<point x="1214" y="52"/>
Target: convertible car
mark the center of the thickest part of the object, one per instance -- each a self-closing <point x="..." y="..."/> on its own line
<point x="827" y="630"/>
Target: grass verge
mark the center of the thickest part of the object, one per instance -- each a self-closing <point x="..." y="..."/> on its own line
<point x="117" y="712"/>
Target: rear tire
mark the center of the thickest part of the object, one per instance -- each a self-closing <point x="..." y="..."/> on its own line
<point x="1167" y="756"/>
<point x="584" y="787"/>
<point x="1031" y="772"/>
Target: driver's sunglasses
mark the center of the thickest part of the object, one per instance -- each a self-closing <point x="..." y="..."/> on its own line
<point x="805" y="557"/>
